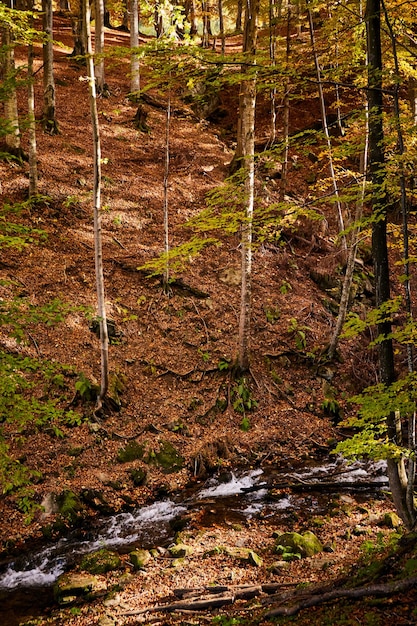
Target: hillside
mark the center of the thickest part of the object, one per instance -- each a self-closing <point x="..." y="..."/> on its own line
<point x="172" y="385"/>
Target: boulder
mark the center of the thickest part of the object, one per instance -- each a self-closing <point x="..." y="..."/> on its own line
<point x="100" y="562"/>
<point x="180" y="550"/>
<point x="304" y="545"/>
<point x="140" y="558"/>
<point x="71" y="587"/>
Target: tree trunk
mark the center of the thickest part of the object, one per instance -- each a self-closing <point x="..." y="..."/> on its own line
<point x="104" y="342"/>
<point x="134" y="43"/>
<point x="99" y="47"/>
<point x="49" y="122"/>
<point x="221" y="26"/>
<point x="12" y="136"/>
<point x="239" y="11"/>
<point x="246" y="140"/>
<point x="33" y="168"/>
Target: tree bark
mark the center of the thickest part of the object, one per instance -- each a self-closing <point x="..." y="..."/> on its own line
<point x="99" y="47"/>
<point x="12" y="137"/>
<point x="246" y="141"/>
<point x="98" y="254"/>
<point x="50" y="124"/>
<point x="33" y="167"/>
<point x="134" y="43"/>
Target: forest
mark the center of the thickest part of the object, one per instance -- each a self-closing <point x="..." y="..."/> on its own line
<point x="207" y="364"/>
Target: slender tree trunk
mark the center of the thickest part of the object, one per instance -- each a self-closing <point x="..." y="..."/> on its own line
<point x="239" y="11"/>
<point x="99" y="47"/>
<point x="221" y="26"/>
<point x="286" y="121"/>
<point x="327" y="134"/>
<point x="33" y="167"/>
<point x="350" y="265"/>
<point x="12" y="137"/>
<point x="49" y="121"/>
<point x="247" y="101"/>
<point x="190" y="13"/>
<point x="104" y="342"/>
<point x="166" y="277"/>
<point x="134" y="43"/>
<point x="205" y="39"/>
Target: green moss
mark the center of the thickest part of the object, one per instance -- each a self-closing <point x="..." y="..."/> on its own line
<point x="131" y="452"/>
<point x="168" y="457"/>
<point x="100" y="562"/>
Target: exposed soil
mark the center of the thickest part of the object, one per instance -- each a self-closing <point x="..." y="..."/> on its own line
<point x="166" y="354"/>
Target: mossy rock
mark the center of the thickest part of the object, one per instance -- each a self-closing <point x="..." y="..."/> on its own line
<point x="244" y="554"/>
<point x="131" y="452"/>
<point x="391" y="520"/>
<point x="72" y="587"/>
<point x="305" y="545"/>
<point x="100" y="562"/>
<point x="168" y="458"/>
<point x="180" y="550"/>
<point x="139" y="476"/>
<point x="69" y="505"/>
<point x="140" y="558"/>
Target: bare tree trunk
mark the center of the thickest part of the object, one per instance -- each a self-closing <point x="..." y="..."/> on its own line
<point x="104" y="342"/>
<point x="33" y="167"/>
<point x="205" y="8"/>
<point x="221" y="26"/>
<point x="239" y="11"/>
<point x="165" y="277"/>
<point x="99" y="47"/>
<point x="12" y="137"/>
<point x="134" y="43"/>
<point x="247" y="101"/>
<point x="190" y="13"/>
<point x="350" y="265"/>
<point x="49" y="121"/>
<point x="327" y="135"/>
<point x="286" y="124"/>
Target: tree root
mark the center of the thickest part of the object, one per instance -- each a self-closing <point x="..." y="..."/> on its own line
<point x="379" y="590"/>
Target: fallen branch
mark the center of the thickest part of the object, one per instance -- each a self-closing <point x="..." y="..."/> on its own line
<point x="380" y="590"/>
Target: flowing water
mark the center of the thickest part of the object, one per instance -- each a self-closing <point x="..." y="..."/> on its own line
<point x="26" y="583"/>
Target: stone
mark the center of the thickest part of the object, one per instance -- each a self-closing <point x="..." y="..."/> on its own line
<point x="131" y="452"/>
<point x="180" y="550"/>
<point x="100" y="562"/>
<point x="73" y="586"/>
<point x="391" y="520"/>
<point x="140" y="558"/>
<point x="305" y="545"/>
<point x="244" y="554"/>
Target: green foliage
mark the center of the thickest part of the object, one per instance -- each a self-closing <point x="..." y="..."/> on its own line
<point x="242" y="399"/>
<point x="12" y="233"/>
<point x="178" y="257"/>
<point x="287" y="553"/>
<point x="376" y="404"/>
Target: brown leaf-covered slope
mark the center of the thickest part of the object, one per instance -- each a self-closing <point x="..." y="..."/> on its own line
<point x="168" y="348"/>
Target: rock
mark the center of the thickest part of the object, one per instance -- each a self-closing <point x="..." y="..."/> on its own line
<point x="391" y="520"/>
<point x="100" y="562"/>
<point x="131" y="452"/>
<point x="69" y="505"/>
<point x="140" y="558"/>
<point x="244" y="554"/>
<point x="295" y="544"/>
<point x="106" y="621"/>
<point x="71" y="587"/>
<point x="168" y="457"/>
<point x="180" y="550"/>
<point x="278" y="566"/>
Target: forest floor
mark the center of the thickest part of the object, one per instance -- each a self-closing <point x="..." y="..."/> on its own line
<point x="165" y="355"/>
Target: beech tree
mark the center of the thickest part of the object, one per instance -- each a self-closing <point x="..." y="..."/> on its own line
<point x="98" y="254"/>
<point x="49" y="121"/>
<point x="246" y="150"/>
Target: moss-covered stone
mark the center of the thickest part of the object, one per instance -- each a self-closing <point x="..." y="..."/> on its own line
<point x="71" y="587"/>
<point x="140" y="558"/>
<point x="167" y="457"/>
<point x="180" y="550"/>
<point x="244" y="554"/>
<point x="100" y="562"/>
<point x="304" y="545"/>
<point x="131" y="452"/>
